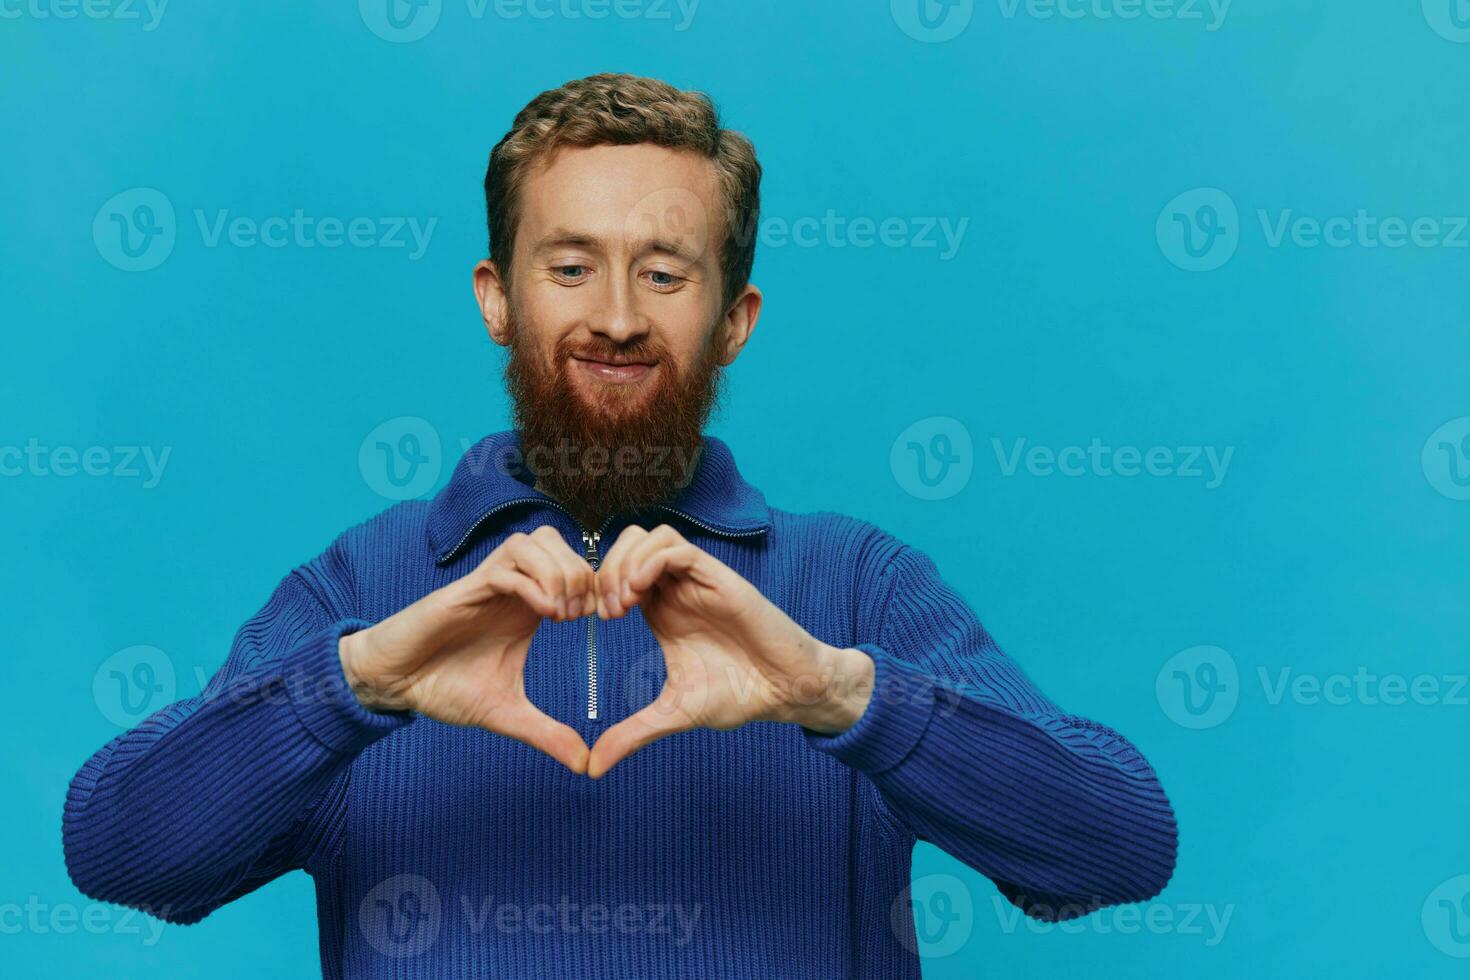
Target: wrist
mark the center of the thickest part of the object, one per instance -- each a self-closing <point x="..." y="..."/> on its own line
<point x="351" y="650"/>
<point x="843" y="689"/>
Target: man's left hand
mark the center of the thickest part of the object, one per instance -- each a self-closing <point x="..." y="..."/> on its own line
<point x="731" y="655"/>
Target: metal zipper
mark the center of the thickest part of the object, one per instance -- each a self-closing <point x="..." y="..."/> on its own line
<point x="714" y="530"/>
<point x="590" y="540"/>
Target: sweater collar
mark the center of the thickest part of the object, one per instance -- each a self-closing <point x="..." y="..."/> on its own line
<point x="491" y="481"/>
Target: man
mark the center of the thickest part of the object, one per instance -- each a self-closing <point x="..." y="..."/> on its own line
<point x="777" y="705"/>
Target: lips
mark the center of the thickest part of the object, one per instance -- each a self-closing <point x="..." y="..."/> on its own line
<point x="614" y="371"/>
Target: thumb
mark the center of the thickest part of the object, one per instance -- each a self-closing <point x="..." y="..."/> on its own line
<point x="657" y="720"/>
<point x="529" y="724"/>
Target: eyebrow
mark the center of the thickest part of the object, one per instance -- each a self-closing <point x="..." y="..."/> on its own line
<point x="563" y="238"/>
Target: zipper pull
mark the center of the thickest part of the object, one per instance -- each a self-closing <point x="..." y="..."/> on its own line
<point x="590" y="540"/>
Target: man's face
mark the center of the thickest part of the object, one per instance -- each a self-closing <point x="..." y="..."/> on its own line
<point x="614" y="319"/>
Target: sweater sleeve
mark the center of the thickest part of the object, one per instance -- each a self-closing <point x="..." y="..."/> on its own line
<point x="1062" y="813"/>
<point x="211" y="797"/>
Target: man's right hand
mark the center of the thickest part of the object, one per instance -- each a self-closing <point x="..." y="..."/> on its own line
<point x="458" y="655"/>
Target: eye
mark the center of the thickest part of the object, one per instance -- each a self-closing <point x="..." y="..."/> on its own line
<point x="664" y="281"/>
<point x="570" y="273"/>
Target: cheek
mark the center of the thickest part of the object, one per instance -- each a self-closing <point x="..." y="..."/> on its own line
<point x="689" y="322"/>
<point x="546" y="317"/>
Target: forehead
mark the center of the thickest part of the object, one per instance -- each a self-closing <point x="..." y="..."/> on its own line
<point x="620" y="195"/>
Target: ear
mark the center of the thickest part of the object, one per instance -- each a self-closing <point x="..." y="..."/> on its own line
<point x="491" y="295"/>
<point x="739" y="323"/>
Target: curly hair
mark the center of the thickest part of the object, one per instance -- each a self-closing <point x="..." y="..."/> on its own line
<point x="619" y="109"/>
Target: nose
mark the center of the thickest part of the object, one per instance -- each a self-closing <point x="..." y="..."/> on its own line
<point x="619" y="319"/>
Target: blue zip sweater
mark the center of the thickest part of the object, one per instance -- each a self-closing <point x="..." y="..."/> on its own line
<point x="769" y="851"/>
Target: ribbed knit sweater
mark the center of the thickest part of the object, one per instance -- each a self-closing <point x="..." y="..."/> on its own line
<point x="768" y="851"/>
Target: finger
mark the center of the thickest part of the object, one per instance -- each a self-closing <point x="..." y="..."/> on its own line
<point x="671" y="559"/>
<point x="652" y="723"/>
<point x="646" y="569"/>
<point x="609" y="574"/>
<point x="528" y="556"/>
<point x="633" y="556"/>
<point x="509" y="581"/>
<point x="530" y="725"/>
<point x="572" y="567"/>
<point x="581" y="580"/>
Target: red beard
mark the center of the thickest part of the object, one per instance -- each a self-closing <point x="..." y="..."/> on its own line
<point x="633" y="449"/>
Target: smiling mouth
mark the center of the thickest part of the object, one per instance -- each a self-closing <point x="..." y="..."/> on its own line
<point x="614" y="372"/>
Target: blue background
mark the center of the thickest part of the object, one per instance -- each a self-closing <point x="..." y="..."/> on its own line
<point x="1321" y="829"/>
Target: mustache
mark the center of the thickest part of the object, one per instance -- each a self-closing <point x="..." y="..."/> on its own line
<point x="641" y="351"/>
